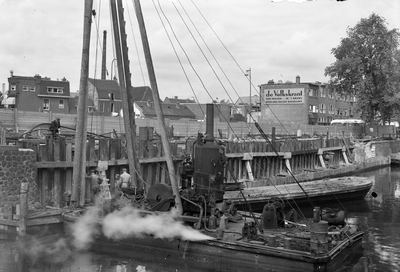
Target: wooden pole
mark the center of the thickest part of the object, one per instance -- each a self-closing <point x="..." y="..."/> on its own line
<point x="125" y="84"/>
<point x="134" y="161"/>
<point x="157" y="105"/>
<point x="79" y="170"/>
<point x="23" y="200"/>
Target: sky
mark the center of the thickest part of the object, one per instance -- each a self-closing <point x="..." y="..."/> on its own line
<point x="276" y="40"/>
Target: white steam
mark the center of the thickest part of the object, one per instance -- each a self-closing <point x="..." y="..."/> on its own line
<point x="129" y="222"/>
<point x="85" y="228"/>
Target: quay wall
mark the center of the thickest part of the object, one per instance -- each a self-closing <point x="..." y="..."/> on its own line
<point x="16" y="166"/>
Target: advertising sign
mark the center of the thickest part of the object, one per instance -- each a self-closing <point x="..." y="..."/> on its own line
<point x="283" y="96"/>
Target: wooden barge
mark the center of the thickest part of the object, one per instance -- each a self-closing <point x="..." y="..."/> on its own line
<point x="313" y="246"/>
<point x="322" y="191"/>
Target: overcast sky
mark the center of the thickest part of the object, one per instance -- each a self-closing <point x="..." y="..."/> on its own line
<point x="276" y="39"/>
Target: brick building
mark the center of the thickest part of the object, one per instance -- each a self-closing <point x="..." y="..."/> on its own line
<point x="304" y="103"/>
<point x="39" y="93"/>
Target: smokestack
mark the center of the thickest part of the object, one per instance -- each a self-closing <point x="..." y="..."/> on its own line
<point x="210" y="122"/>
<point x="297" y="79"/>
<point x="103" y="63"/>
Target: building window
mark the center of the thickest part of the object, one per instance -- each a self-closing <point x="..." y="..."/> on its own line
<point x="350" y="112"/>
<point x="46" y="104"/>
<point x="345" y="112"/>
<point x="25" y="88"/>
<point x="310" y="92"/>
<point x="61" y="103"/>
<point x="13" y="87"/>
<point x="55" y="90"/>
<point x="323" y="92"/>
<point x="32" y="89"/>
<point x="90" y="109"/>
<point x="313" y="108"/>
<point x="112" y="107"/>
<point x="322" y="108"/>
<point x="102" y="107"/>
<point x="331" y="109"/>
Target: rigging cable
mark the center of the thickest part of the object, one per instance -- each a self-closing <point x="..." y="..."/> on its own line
<point x="190" y="63"/>
<point x="134" y="41"/>
<point x="256" y="123"/>
<point x="212" y="29"/>
<point x="98" y="43"/>
<point x="215" y="59"/>
<point x="176" y="53"/>
<point x="258" y="127"/>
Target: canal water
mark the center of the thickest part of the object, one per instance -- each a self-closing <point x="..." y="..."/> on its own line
<point x="378" y="215"/>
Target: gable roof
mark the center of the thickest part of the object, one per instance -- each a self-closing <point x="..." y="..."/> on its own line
<point x="105" y="87"/>
<point x="172" y="111"/>
<point x="178" y="100"/>
<point x="245" y="100"/>
<point x="142" y="93"/>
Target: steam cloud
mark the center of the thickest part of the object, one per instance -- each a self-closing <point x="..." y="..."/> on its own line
<point x="85" y="229"/>
<point x="129" y="222"/>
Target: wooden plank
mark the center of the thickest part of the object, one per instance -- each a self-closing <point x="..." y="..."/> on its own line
<point x="68" y="171"/>
<point x="44" y="221"/>
<point x="256" y="154"/>
<point x="163" y="172"/>
<point x="103" y="149"/>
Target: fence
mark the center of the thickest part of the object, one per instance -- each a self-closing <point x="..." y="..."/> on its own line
<point x="250" y="159"/>
<point x="21" y="121"/>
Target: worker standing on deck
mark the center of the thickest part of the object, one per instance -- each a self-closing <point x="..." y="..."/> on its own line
<point x="95" y="182"/>
<point x="55" y="127"/>
<point x="124" y="179"/>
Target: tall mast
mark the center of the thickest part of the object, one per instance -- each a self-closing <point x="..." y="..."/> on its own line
<point x="157" y="105"/>
<point x="79" y="170"/>
<point x="125" y="84"/>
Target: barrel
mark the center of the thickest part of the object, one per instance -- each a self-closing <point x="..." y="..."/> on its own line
<point x="319" y="237"/>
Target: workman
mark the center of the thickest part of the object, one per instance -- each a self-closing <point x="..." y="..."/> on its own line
<point x="55" y="127"/>
<point x="95" y="182"/>
<point x="124" y="179"/>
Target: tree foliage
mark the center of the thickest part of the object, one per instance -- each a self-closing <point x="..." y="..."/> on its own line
<point x="367" y="66"/>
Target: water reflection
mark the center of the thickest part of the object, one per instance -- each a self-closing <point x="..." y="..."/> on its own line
<point x="378" y="216"/>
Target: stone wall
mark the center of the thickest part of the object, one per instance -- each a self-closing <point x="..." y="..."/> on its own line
<point x="16" y="166"/>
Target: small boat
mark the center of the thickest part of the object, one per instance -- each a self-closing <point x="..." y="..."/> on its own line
<point x="318" y="192"/>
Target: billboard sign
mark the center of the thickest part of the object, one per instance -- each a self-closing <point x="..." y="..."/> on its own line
<point x="283" y="96"/>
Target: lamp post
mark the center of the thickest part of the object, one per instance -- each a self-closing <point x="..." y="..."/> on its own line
<point x="248" y="73"/>
<point x="112" y="66"/>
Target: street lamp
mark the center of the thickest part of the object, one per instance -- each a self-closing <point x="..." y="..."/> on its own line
<point x="248" y="73"/>
<point x="112" y="66"/>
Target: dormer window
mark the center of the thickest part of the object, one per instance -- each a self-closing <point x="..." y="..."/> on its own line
<point x="55" y="90"/>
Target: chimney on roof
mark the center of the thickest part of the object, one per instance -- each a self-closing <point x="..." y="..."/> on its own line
<point x="103" y="62"/>
<point x="271" y="81"/>
<point x="176" y="97"/>
<point x="297" y="79"/>
<point x="12" y="73"/>
<point x="178" y="105"/>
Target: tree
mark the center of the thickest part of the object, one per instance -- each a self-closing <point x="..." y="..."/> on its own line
<point x="367" y="66"/>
